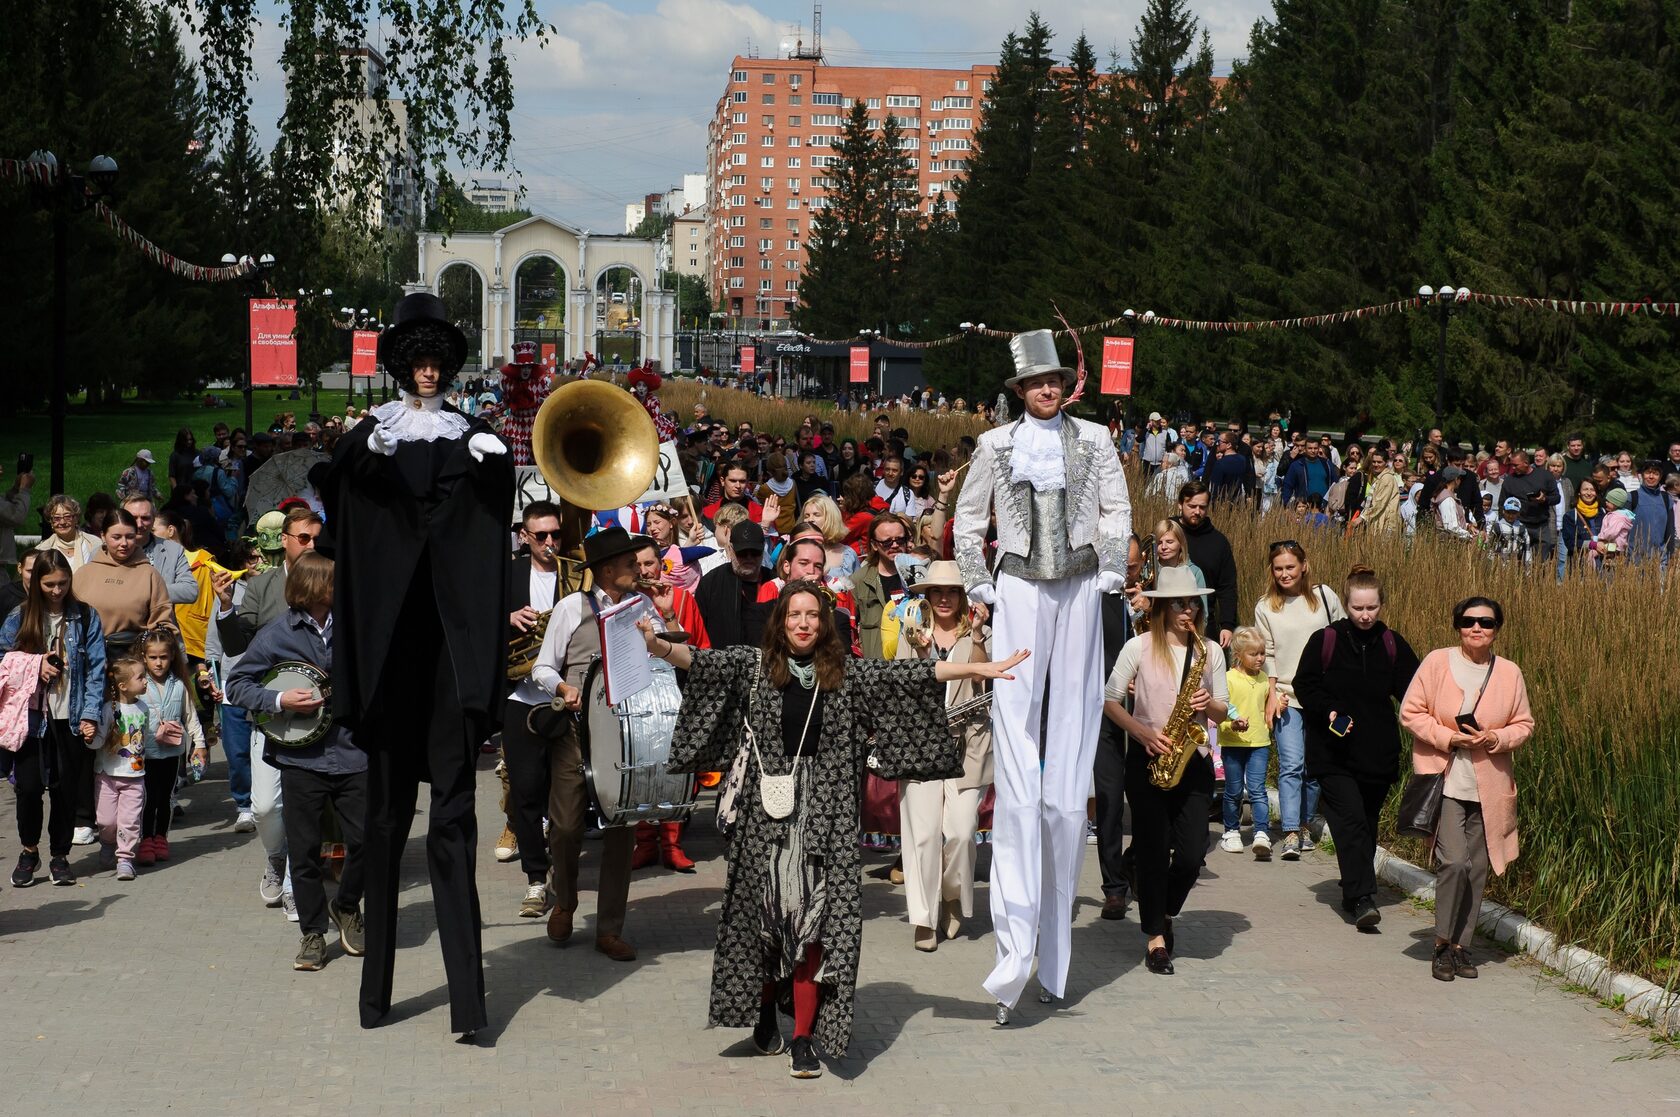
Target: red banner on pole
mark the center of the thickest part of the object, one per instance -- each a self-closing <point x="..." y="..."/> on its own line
<point x="364" y="353"/>
<point x="1117" y="366"/>
<point x="860" y="364"/>
<point x="749" y="359"/>
<point x="548" y="355"/>
<point x="273" y="346"/>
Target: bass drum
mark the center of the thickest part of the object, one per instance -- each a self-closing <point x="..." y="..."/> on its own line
<point x="626" y="748"/>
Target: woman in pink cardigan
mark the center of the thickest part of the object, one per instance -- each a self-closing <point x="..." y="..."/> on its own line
<point x="1466" y="710"/>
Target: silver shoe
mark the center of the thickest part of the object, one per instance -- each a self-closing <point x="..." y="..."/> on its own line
<point x="1002" y="1015"/>
<point x="1045" y="997"/>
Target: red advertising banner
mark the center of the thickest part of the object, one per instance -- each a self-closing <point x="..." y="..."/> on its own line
<point x="860" y="364"/>
<point x="548" y="355"/>
<point x="749" y="359"/>
<point x="1117" y="366"/>
<point x="364" y="353"/>
<point x="273" y="348"/>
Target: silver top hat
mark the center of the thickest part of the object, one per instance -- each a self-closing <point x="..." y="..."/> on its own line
<point x="1034" y="353"/>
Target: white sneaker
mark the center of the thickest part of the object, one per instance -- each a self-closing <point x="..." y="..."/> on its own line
<point x="273" y="884"/>
<point x="84" y="836"/>
<point x="290" y="906"/>
<point x="246" y="823"/>
<point x="1090" y="832"/>
<point x="1231" y="842"/>
<point x="1262" y="846"/>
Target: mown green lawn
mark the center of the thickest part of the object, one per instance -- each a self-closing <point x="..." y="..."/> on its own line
<point x="101" y="443"/>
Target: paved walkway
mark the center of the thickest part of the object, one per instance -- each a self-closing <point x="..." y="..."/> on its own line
<point x="175" y="994"/>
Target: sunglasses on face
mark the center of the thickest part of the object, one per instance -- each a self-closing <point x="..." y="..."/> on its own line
<point x="543" y="536"/>
<point x="1182" y="605"/>
<point x="1465" y="623"/>
<point x="891" y="542"/>
<point x="1281" y="544"/>
<point x="304" y="536"/>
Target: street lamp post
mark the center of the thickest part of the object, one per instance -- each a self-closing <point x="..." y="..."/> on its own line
<point x="254" y="287"/>
<point x="1444" y="298"/>
<point x="64" y="194"/>
<point x="315" y="375"/>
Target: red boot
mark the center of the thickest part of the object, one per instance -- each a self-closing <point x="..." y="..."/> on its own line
<point x="672" y="854"/>
<point x="647" y="846"/>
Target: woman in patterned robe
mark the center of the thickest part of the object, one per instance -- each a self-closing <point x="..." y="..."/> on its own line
<point x="792" y="909"/>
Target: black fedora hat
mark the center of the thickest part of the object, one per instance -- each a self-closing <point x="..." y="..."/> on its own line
<point x="420" y="328"/>
<point x="609" y="543"/>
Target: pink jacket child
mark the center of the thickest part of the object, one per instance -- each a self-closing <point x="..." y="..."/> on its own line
<point x="20" y="674"/>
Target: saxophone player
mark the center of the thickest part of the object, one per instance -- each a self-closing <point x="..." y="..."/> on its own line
<point x="1176" y="693"/>
<point x="937" y="818"/>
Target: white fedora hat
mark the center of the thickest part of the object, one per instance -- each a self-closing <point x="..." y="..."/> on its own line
<point x="1176" y="581"/>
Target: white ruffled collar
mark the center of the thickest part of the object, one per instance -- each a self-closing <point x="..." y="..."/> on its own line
<point x="411" y="418"/>
<point x="1037" y="457"/>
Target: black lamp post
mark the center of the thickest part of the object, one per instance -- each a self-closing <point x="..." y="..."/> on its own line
<point x="1444" y="298"/>
<point x="255" y="284"/>
<point x="64" y="194"/>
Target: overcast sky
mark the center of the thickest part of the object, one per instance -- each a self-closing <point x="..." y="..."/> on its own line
<point x="616" y="105"/>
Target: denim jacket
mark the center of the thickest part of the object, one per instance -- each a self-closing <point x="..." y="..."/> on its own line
<point x="84" y="658"/>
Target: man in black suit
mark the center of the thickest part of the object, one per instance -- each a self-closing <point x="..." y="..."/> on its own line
<point x="419" y="498"/>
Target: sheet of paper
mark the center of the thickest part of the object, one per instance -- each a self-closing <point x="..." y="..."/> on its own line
<point x="624" y="653"/>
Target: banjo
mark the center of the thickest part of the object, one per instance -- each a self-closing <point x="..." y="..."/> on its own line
<point x="293" y="729"/>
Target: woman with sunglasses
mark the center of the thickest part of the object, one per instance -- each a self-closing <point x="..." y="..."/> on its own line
<point x="1467" y="710"/>
<point x="878" y="586"/>
<point x="1291" y="610"/>
<point x="1169" y="826"/>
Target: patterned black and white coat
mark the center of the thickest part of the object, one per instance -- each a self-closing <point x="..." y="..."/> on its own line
<point x="891" y="711"/>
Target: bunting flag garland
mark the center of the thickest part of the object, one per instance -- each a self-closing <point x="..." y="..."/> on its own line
<point x="30" y="173"/>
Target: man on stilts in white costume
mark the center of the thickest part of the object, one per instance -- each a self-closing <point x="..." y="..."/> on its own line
<point x="1063" y="520"/>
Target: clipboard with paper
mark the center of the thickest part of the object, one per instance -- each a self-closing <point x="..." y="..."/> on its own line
<point x="625" y="664"/>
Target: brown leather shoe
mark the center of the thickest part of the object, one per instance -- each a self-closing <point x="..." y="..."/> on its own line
<point x="1114" y="906"/>
<point x="1462" y="965"/>
<point x="559" y="925"/>
<point x="1443" y="967"/>
<point x="615" y="948"/>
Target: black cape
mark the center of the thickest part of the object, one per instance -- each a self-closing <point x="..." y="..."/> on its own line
<point x="427" y="506"/>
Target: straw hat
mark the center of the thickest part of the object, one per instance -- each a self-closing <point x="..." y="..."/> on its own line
<point x="1176" y="581"/>
<point x="942" y="573"/>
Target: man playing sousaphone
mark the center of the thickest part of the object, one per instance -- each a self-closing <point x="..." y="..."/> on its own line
<point x="572" y="640"/>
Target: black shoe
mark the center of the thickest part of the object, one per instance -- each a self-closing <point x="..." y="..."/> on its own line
<point x="1443" y="967"/>
<point x="1115" y="905"/>
<point x="767" y="1037"/>
<point x="1365" y="913"/>
<point x="1462" y="965"/>
<point x="177" y="813"/>
<point x="1159" y="961"/>
<point x="59" y="867"/>
<point x="24" y="875"/>
<point x="802" y="1062"/>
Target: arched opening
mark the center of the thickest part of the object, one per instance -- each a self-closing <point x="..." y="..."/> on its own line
<point x="462" y="290"/>
<point x="618" y="311"/>
<point x="539" y="306"/>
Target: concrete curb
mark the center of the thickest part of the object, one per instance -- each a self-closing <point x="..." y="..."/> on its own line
<point x="1640" y="998"/>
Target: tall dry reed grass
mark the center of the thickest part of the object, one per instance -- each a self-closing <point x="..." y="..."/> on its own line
<point x="1598" y="785"/>
<point x="928" y="430"/>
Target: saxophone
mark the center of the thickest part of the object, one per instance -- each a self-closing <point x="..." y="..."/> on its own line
<point x="1166" y="770"/>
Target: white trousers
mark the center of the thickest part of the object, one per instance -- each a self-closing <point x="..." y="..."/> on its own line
<point x="1038" y="823"/>
<point x="937" y="820"/>
<point x="266" y="803"/>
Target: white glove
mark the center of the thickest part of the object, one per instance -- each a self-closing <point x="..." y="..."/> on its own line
<point x="381" y="442"/>
<point x="481" y="444"/>
<point x="985" y="594"/>
<point x="1110" y="581"/>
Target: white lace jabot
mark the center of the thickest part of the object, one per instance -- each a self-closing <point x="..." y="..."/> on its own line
<point x="1037" y="455"/>
<point x="413" y="418"/>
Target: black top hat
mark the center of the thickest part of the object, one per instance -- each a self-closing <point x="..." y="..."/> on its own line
<point x="609" y="543"/>
<point x="419" y="328"/>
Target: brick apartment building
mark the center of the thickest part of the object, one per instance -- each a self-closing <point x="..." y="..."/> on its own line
<point x="768" y="150"/>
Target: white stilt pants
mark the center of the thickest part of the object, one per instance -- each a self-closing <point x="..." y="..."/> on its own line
<point x="1038" y="823"/>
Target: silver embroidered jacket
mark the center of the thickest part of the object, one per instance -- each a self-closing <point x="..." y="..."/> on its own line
<point x="1098" y="508"/>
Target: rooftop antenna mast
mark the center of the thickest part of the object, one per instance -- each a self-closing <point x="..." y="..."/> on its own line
<point x="814" y="52"/>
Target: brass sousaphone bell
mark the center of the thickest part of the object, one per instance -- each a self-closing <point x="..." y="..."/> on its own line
<point x="597" y="448"/>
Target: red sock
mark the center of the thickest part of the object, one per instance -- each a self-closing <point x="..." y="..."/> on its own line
<point x="805" y="992"/>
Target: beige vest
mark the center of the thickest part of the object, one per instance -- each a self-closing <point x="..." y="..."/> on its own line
<point x="582" y="648"/>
